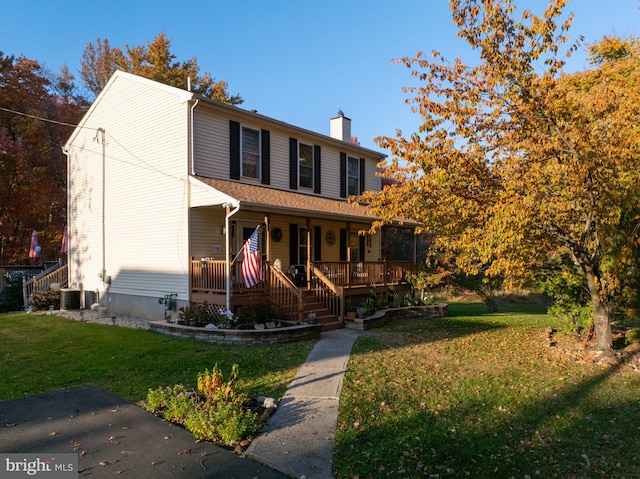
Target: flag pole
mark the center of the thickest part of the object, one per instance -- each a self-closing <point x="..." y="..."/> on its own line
<point x="242" y="249"/>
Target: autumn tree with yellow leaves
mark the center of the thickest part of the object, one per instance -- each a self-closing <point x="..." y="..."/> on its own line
<point x="517" y="162"/>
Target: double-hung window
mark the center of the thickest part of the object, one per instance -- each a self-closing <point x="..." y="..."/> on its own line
<point x="304" y="165"/>
<point x="353" y="176"/>
<point x="250" y="153"/>
<point x="305" y="168"/>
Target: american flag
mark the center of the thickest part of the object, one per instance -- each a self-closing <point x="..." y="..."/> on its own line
<point x="252" y="264"/>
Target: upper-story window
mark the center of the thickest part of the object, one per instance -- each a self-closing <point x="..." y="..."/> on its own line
<point x="304" y="165"/>
<point x="250" y="153"/>
<point x="305" y="153"/>
<point x="353" y="176"/>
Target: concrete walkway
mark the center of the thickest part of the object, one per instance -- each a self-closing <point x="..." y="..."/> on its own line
<point x="299" y="438"/>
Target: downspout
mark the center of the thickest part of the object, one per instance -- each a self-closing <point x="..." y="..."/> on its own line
<point x="103" y="274"/>
<point x="227" y="232"/>
<point x="67" y="153"/>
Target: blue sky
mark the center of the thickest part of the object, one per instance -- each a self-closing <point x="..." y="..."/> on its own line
<point x="297" y="61"/>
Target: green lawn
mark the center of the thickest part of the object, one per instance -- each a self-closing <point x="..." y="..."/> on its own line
<point x="479" y="395"/>
<point x="471" y="395"/>
<point x="40" y="353"/>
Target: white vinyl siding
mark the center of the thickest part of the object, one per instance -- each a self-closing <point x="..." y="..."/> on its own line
<point x="279" y="159"/>
<point x="145" y="218"/>
<point x="207" y="238"/>
<point x="211" y="152"/>
<point x="211" y="144"/>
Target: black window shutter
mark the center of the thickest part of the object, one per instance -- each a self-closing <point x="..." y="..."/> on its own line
<point x="361" y="248"/>
<point x="293" y="244"/>
<point x="316" y="169"/>
<point x="266" y="157"/>
<point x="343" y="176"/>
<point x="234" y="150"/>
<point x="343" y="244"/>
<point x="361" y="175"/>
<point x="293" y="163"/>
<point x="317" y="243"/>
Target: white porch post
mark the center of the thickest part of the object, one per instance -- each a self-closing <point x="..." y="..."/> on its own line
<point x="227" y="232"/>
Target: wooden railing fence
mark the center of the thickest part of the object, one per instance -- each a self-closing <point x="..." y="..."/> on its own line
<point x="42" y="282"/>
<point x="328" y="293"/>
<point x="285" y="294"/>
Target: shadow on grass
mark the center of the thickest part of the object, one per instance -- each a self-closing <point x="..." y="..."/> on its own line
<point x="463" y="309"/>
<point x="409" y="333"/>
<point x="463" y="319"/>
<point x="570" y="431"/>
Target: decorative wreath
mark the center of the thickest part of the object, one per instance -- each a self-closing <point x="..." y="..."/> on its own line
<point x="276" y="235"/>
<point x="330" y="238"/>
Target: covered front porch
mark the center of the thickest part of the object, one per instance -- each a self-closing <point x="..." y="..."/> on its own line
<point x="317" y="253"/>
<point x="329" y="289"/>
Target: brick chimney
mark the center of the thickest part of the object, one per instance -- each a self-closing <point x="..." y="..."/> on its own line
<point x="341" y="127"/>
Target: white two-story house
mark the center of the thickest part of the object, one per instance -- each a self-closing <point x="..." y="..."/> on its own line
<point x="165" y="186"/>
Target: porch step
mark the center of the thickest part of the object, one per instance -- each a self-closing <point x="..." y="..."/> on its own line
<point x="323" y="315"/>
<point x="333" y="325"/>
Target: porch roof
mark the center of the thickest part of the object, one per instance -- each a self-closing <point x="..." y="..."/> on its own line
<point x="262" y="198"/>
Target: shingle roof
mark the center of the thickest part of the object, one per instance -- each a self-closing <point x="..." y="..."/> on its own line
<point x="261" y="198"/>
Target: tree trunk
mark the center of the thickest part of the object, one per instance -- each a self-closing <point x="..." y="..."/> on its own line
<point x="601" y="317"/>
<point x="602" y="321"/>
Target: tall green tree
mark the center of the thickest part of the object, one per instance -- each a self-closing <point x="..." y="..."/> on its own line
<point x="34" y="109"/>
<point x="154" y="61"/>
<point x="517" y="162"/>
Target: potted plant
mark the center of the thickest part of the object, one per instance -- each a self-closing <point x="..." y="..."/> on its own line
<point x="369" y="305"/>
<point x="350" y="311"/>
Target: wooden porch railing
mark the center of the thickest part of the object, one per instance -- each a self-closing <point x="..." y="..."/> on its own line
<point x="325" y="290"/>
<point x="210" y="275"/>
<point x="342" y="273"/>
<point x="285" y="294"/>
<point x="331" y="282"/>
<point x="55" y="274"/>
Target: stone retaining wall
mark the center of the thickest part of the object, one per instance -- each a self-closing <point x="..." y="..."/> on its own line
<point x="383" y="316"/>
<point x="287" y="334"/>
<point x="290" y="334"/>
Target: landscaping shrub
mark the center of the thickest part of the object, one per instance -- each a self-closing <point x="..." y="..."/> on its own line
<point x="222" y="422"/>
<point x="576" y="318"/>
<point x="12" y="295"/>
<point x="255" y="313"/>
<point x="217" y="412"/>
<point x="562" y="281"/>
<point x="195" y="314"/>
<point x="632" y="336"/>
